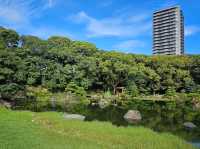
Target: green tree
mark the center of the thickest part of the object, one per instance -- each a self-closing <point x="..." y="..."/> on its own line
<point x="84" y="48"/>
<point x="8" y="38"/>
<point x="170" y="91"/>
<point x="195" y="69"/>
<point x="58" y="42"/>
<point x="75" y="89"/>
<point x="33" y="43"/>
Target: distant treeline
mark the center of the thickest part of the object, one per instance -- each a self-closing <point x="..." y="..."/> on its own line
<point x="59" y="61"/>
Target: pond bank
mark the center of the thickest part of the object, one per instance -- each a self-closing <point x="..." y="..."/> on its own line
<point x="159" y="115"/>
<point x="49" y="130"/>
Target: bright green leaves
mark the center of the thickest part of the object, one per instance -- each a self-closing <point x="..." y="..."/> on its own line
<point x="58" y="42"/>
<point x="8" y="38"/>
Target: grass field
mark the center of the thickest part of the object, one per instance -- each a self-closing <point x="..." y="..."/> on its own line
<point x="28" y="130"/>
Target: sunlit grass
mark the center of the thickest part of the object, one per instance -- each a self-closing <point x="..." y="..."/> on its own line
<point x="49" y="130"/>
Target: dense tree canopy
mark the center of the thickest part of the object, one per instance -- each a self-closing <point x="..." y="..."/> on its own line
<point x="57" y="62"/>
<point x="8" y="38"/>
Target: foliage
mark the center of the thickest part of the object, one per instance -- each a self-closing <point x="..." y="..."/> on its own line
<point x="11" y="91"/>
<point x="75" y="89"/>
<point x="33" y="43"/>
<point x="39" y="93"/>
<point x="170" y="92"/>
<point x="41" y="99"/>
<point x="133" y="91"/>
<point x="58" y="42"/>
<point x="60" y="64"/>
<point x="84" y="48"/>
<point x="8" y="38"/>
<point x="76" y="98"/>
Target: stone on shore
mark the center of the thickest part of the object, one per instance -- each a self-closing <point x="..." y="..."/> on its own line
<point x="74" y="117"/>
<point x="133" y="116"/>
<point x="189" y="125"/>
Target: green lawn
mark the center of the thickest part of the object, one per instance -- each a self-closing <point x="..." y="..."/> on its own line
<point x="28" y="130"/>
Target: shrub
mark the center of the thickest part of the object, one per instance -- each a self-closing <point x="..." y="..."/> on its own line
<point x="75" y="103"/>
<point x="75" y="89"/>
<point x="38" y="98"/>
<point x="76" y="100"/>
<point x="11" y="91"/>
<point x="170" y="92"/>
<point x="41" y="94"/>
<point x="133" y="91"/>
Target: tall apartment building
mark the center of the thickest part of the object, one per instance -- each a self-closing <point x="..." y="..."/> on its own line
<point x="168" y="31"/>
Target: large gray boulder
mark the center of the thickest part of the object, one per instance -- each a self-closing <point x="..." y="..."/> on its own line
<point x="189" y="125"/>
<point x="133" y="116"/>
<point x="74" y="117"/>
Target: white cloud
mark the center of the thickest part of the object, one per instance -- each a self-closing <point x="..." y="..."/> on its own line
<point x="15" y="11"/>
<point x="120" y="26"/>
<point x="138" y="18"/>
<point x="191" y="30"/>
<point x="129" y="46"/>
<point x="20" y="12"/>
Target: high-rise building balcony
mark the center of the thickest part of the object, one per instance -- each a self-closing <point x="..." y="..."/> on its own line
<point x="168" y="31"/>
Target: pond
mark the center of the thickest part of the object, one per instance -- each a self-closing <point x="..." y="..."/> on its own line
<point x="195" y="143"/>
<point x="160" y="116"/>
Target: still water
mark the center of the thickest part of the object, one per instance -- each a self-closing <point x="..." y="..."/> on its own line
<point x="159" y="116"/>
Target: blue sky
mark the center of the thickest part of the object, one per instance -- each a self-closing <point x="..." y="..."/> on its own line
<point x="122" y="25"/>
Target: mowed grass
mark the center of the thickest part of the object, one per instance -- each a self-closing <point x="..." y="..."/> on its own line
<point x="49" y="130"/>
